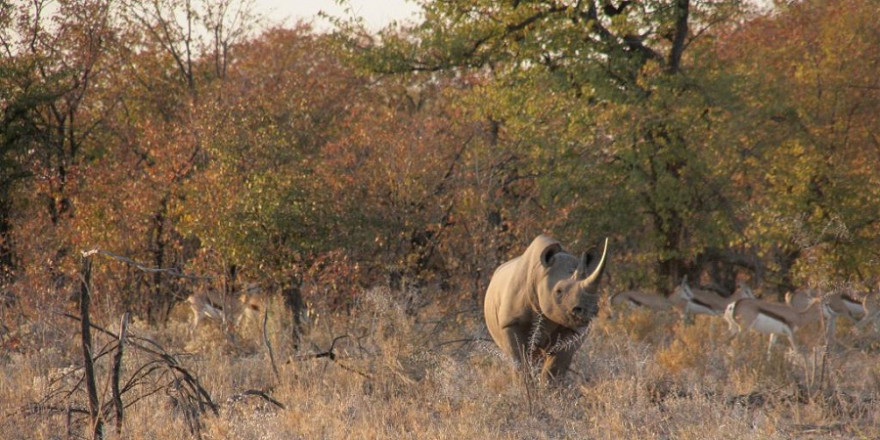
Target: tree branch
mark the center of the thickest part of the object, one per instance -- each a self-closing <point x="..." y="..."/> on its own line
<point x="679" y="40"/>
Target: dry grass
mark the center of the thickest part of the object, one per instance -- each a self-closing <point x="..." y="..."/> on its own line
<point x="433" y="375"/>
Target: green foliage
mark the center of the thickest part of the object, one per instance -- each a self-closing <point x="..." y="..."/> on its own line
<point x="619" y="140"/>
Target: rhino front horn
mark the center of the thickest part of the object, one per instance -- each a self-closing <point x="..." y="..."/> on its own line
<point x="597" y="272"/>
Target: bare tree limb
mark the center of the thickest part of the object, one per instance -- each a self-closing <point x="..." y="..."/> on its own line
<point x="117" y="367"/>
<point x="679" y="40"/>
<point x="88" y="364"/>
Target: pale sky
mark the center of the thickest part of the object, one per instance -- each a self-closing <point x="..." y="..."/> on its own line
<point x="377" y="13"/>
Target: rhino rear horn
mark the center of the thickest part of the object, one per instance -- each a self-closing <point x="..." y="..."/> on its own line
<point x="596" y="273"/>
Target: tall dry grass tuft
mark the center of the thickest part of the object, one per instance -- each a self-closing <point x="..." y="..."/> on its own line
<point x="385" y="370"/>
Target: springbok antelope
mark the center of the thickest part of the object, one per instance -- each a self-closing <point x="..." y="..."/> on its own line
<point x="838" y="304"/>
<point x="228" y="309"/>
<point x="772" y="318"/>
<point x="705" y="302"/>
<point x="640" y="298"/>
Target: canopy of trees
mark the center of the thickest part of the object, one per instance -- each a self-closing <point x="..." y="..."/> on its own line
<point x="706" y="138"/>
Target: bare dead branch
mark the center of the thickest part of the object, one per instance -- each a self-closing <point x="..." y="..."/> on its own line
<point x="88" y="364"/>
<point x="117" y="367"/>
<point x="269" y="344"/>
<point x="330" y="354"/>
<point x="37" y="408"/>
<point x="185" y="389"/>
<point x="170" y="271"/>
<point x="257" y="393"/>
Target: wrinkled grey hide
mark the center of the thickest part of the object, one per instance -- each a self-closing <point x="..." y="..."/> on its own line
<point x="539" y="304"/>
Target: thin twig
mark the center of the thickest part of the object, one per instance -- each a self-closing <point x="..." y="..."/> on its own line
<point x="168" y="360"/>
<point x="461" y="341"/>
<point x="170" y="270"/>
<point x="88" y="362"/>
<point x="257" y="393"/>
<point x="330" y="354"/>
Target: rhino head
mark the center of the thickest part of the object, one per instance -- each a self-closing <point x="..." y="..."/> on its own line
<point x="568" y="293"/>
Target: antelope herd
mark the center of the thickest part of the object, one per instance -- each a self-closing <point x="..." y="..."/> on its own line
<point x="743" y="311"/>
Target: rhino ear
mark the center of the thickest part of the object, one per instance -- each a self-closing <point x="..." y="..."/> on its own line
<point x="548" y="254"/>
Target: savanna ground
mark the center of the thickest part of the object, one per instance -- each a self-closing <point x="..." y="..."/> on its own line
<point x="387" y="369"/>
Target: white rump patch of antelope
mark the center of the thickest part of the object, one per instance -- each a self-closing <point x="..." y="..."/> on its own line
<point x="706" y="302"/>
<point x="773" y="319"/>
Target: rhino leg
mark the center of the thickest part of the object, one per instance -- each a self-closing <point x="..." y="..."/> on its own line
<point x="559" y="357"/>
<point x="555" y="366"/>
<point x="513" y="341"/>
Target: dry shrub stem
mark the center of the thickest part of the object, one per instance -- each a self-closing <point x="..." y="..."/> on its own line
<point x="184" y="387"/>
<point x="88" y="364"/>
<point x="268" y="343"/>
<point x="117" y="371"/>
